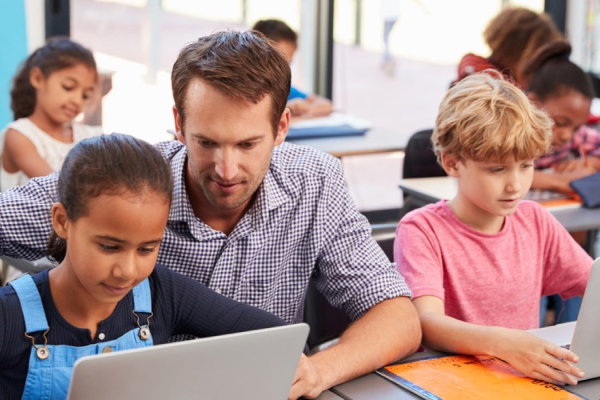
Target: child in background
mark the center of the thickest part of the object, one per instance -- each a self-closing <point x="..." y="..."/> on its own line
<point x="48" y="92"/>
<point x="479" y="263"/>
<point x="565" y="92"/>
<point x="301" y="105"/>
<point x="114" y="195"/>
<point x="513" y="36"/>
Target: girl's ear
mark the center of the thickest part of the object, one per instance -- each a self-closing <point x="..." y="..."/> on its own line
<point x="450" y="164"/>
<point x="36" y="77"/>
<point x="60" y="220"/>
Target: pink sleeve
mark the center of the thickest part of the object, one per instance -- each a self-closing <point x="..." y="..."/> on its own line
<point x="418" y="258"/>
<point x="567" y="266"/>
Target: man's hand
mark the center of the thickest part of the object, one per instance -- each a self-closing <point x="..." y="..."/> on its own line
<point x="307" y="381"/>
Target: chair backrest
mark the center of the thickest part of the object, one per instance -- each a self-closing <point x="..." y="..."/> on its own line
<point x="419" y="159"/>
<point x="327" y="322"/>
<point x="419" y="162"/>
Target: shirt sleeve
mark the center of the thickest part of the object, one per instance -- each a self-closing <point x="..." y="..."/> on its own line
<point x="352" y="272"/>
<point x="418" y="256"/>
<point x="25" y="218"/>
<point x="567" y="265"/>
<point x="589" y="138"/>
<point x="296" y="94"/>
<point x="199" y="311"/>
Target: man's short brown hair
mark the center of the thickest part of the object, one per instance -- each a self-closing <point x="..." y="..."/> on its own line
<point x="240" y="65"/>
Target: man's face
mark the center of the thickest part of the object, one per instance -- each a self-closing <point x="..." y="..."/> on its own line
<point x="229" y="144"/>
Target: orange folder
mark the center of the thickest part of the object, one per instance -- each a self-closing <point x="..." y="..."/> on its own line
<point x="467" y="377"/>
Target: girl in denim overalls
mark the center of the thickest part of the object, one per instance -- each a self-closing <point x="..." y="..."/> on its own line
<point x="106" y="294"/>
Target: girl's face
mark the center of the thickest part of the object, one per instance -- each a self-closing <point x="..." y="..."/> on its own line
<point x="569" y="110"/>
<point x="113" y="247"/>
<point x="61" y="96"/>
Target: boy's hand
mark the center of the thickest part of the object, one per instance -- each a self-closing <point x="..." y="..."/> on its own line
<point x="539" y="359"/>
<point x="307" y="381"/>
<point x="298" y="107"/>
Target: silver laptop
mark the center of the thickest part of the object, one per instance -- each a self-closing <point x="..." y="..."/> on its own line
<point x="586" y="337"/>
<point x="257" y="365"/>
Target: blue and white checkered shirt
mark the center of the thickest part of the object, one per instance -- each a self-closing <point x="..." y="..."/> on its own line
<point x="302" y="225"/>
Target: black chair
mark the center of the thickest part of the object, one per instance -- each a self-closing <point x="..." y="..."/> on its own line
<point x="326" y="322"/>
<point x="419" y="162"/>
<point x="419" y="159"/>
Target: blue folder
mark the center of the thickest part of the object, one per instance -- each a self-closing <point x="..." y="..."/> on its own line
<point x="325" y="132"/>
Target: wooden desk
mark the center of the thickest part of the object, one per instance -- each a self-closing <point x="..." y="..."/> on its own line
<point x="434" y="189"/>
<point x="373" y="142"/>
<point x="374" y="387"/>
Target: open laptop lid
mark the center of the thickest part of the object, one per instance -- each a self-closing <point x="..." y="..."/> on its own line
<point x="586" y="342"/>
<point x="251" y="365"/>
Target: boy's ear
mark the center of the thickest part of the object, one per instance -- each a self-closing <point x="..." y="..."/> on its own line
<point x="450" y="164"/>
<point x="60" y="220"/>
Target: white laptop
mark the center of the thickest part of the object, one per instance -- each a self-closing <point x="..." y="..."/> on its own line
<point x="585" y="338"/>
<point x="256" y="365"/>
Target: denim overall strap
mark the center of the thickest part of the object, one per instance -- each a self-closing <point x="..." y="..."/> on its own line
<point x="142" y="301"/>
<point x="31" y="304"/>
<point x="49" y="379"/>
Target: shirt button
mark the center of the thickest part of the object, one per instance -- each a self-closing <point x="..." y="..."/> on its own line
<point x="101" y="336"/>
<point x="217" y="290"/>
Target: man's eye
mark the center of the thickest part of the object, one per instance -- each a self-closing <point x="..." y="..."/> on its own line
<point x="108" y="247"/>
<point x="247" y="145"/>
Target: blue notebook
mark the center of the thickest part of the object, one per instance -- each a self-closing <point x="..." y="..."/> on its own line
<point x="324" y="132"/>
<point x="588" y="188"/>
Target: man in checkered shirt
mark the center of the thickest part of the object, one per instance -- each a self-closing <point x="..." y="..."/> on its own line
<point x="255" y="218"/>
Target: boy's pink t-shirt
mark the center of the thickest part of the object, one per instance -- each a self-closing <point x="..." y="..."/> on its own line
<point x="490" y="279"/>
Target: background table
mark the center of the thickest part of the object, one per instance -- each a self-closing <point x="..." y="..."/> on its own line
<point x="376" y="140"/>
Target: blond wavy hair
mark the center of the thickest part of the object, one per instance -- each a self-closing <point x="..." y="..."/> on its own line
<point x="486" y="118"/>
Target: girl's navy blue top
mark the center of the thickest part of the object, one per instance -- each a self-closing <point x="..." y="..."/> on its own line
<point x="180" y="305"/>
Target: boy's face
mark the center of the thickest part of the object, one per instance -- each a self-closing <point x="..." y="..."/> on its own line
<point x="287" y="48"/>
<point x="489" y="190"/>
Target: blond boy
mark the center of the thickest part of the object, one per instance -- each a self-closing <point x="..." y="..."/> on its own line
<point x="479" y="263"/>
